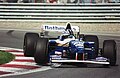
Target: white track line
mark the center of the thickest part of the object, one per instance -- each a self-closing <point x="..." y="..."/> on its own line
<point x="10" y="69"/>
<point x="24" y="63"/>
<point x="7" y="48"/>
<point x="44" y="68"/>
<point x="16" y="53"/>
<point x="25" y="58"/>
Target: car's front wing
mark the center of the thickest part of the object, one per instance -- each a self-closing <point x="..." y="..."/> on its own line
<point x="79" y="61"/>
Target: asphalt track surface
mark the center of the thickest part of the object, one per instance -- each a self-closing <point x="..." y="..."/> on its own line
<point x="14" y="39"/>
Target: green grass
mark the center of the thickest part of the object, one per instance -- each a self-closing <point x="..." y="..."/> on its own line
<point x="6" y="57"/>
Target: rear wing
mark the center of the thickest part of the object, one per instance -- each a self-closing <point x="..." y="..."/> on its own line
<point x="56" y="28"/>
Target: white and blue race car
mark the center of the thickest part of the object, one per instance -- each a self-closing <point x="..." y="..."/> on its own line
<point x="69" y="47"/>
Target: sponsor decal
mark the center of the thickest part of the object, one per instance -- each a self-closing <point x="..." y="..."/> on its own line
<point x="54" y="28"/>
<point x="58" y="28"/>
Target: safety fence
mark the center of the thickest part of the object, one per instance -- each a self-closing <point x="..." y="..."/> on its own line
<point x="85" y="13"/>
<point x="61" y="1"/>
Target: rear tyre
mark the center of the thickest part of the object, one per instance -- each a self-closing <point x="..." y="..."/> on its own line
<point x="41" y="55"/>
<point x="29" y="42"/>
<point x="109" y="51"/>
<point x="93" y="38"/>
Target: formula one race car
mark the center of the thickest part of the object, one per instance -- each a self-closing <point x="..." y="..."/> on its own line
<point x="69" y="47"/>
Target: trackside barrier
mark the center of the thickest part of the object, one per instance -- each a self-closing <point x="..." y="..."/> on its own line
<point x="84" y="13"/>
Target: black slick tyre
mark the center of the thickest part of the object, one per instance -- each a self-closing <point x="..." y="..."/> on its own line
<point x="109" y="51"/>
<point x="93" y="38"/>
<point x="29" y="42"/>
<point x="41" y="55"/>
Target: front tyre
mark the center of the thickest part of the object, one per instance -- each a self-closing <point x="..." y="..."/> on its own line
<point x="41" y="55"/>
<point x="109" y="51"/>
